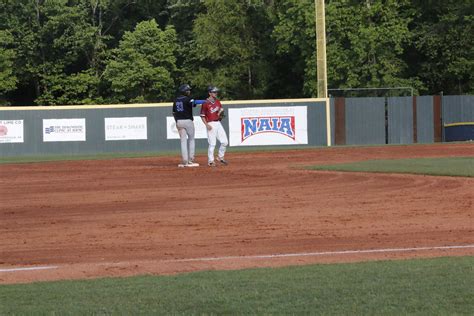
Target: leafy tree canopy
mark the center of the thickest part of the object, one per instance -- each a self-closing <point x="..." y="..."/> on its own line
<point x="142" y="67"/>
<point x="103" y="51"/>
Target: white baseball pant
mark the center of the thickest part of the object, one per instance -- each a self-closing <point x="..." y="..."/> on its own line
<point x="216" y="133"/>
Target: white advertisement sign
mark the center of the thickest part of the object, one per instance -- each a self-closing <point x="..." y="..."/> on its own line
<point x="11" y="131"/>
<point x="268" y="126"/>
<point x="172" y="131"/>
<point x="125" y="128"/>
<point x="64" y="130"/>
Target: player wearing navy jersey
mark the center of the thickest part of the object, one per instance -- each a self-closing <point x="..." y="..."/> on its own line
<point x="183" y="115"/>
<point x="211" y="115"/>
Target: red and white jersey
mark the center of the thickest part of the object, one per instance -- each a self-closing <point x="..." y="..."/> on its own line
<point x="210" y="109"/>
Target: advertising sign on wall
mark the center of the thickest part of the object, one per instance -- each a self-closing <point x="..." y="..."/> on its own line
<point x="268" y="126"/>
<point x="172" y="131"/>
<point x="11" y="131"/>
<point x="64" y="130"/>
<point x="125" y="128"/>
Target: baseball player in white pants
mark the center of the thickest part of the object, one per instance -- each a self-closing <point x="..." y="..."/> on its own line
<point x="211" y="115"/>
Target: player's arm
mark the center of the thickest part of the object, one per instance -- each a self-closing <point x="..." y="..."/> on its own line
<point x="196" y="102"/>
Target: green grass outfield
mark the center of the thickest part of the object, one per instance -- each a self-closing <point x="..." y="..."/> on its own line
<point x="457" y="166"/>
<point x="443" y="286"/>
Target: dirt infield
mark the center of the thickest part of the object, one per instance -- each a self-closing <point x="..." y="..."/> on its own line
<point x="88" y="219"/>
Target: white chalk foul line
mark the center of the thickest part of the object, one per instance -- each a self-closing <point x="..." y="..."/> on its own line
<point x="325" y="253"/>
<point x="28" y="269"/>
<point x="273" y="256"/>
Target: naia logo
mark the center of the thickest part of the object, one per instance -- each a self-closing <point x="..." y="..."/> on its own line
<point x="284" y="125"/>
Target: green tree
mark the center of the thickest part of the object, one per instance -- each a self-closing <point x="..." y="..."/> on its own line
<point x="53" y="43"/>
<point x="70" y="46"/>
<point x="228" y="48"/>
<point x="95" y="12"/>
<point x="90" y="51"/>
<point x="365" y="41"/>
<point x="143" y="65"/>
<point x="20" y="19"/>
<point x="295" y="37"/>
<point x="120" y="16"/>
<point x="443" y="54"/>
<point x="8" y="80"/>
<point x="182" y="14"/>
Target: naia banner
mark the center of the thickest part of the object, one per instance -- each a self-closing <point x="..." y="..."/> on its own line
<point x="268" y="126"/>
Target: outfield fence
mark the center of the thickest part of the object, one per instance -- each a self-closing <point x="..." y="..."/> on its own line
<point x="398" y="120"/>
<point x="73" y="130"/>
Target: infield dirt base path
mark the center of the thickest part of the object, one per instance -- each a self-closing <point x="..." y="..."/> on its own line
<point x="121" y="217"/>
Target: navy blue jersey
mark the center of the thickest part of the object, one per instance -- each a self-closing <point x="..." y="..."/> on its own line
<point x="183" y="108"/>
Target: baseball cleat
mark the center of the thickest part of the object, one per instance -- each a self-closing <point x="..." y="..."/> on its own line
<point x="223" y="161"/>
<point x="212" y="164"/>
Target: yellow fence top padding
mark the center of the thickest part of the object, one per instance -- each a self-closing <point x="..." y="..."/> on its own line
<point x="145" y="105"/>
<point x="458" y="124"/>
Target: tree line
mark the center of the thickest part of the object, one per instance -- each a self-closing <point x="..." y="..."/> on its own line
<point x="59" y="52"/>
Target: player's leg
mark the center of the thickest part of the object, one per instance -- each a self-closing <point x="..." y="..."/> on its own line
<point x="211" y="138"/>
<point x="189" y="126"/>
<point x="190" y="130"/>
<point x="180" y="125"/>
<point x="222" y="138"/>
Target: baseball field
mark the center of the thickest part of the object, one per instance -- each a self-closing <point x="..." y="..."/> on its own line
<point x="91" y="221"/>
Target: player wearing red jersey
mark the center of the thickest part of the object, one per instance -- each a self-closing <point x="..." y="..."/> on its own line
<point x="210" y="114"/>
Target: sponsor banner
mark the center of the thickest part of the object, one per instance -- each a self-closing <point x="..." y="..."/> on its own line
<point x="11" y="131"/>
<point x="64" y="130"/>
<point x="268" y="126"/>
<point x="172" y="132"/>
<point x="125" y="128"/>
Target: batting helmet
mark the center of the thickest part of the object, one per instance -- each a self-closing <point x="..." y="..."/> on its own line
<point x="184" y="88"/>
<point x="212" y="89"/>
